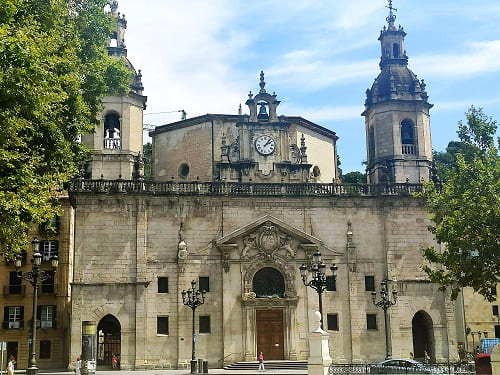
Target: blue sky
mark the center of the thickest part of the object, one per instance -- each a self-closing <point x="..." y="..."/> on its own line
<point x="319" y="56"/>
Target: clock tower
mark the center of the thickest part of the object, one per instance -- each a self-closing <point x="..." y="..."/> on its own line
<point x="262" y="151"/>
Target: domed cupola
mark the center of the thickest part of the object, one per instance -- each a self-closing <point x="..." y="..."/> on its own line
<point x="397" y="115"/>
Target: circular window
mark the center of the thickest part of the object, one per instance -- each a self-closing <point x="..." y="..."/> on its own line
<point x="184" y="170"/>
<point x="268" y="282"/>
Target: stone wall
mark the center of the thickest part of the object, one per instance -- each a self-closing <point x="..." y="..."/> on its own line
<point x="125" y="241"/>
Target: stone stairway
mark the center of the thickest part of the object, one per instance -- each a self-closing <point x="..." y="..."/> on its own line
<point x="269" y="365"/>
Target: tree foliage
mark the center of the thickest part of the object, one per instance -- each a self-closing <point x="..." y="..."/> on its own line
<point x="354" y="178"/>
<point x="148" y="162"/>
<point x="54" y="68"/>
<point x="466" y="212"/>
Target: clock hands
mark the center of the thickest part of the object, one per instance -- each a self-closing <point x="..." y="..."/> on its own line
<point x="268" y="141"/>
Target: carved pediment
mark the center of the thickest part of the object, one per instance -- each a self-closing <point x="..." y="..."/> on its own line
<point x="267" y="237"/>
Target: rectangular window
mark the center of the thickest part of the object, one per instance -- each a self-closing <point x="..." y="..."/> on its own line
<point x="51" y="226"/>
<point x="48" y="286"/>
<point x="371" y="321"/>
<point x="204" y="324"/>
<point x="162" y="284"/>
<point x="494" y="308"/>
<point x="332" y="321"/>
<point x="162" y="325"/>
<point x="370" y="283"/>
<point x="204" y="284"/>
<point x="46" y="316"/>
<point x="45" y="346"/>
<point x="13" y="317"/>
<point x="494" y="291"/>
<point x="48" y="249"/>
<point x="331" y="284"/>
<point x="15" y="283"/>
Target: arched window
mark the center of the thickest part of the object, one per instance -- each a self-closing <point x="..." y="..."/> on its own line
<point x="112" y="131"/>
<point x="269" y="282"/>
<point x="407" y="136"/>
<point x="395" y="50"/>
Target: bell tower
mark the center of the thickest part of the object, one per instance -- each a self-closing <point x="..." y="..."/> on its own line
<point x="262" y="151"/>
<point x="397" y="120"/>
<point x="117" y="142"/>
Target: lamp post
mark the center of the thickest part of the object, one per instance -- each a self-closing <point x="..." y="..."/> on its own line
<point x="34" y="277"/>
<point x="193" y="298"/>
<point x="473" y="343"/>
<point x="385" y="303"/>
<point x="318" y="278"/>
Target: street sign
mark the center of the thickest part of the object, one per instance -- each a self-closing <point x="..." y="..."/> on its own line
<point x="195" y="337"/>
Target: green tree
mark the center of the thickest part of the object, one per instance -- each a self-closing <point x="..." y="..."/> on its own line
<point x="54" y="68"/>
<point x="354" y="178"/>
<point x="148" y="163"/>
<point x="466" y="212"/>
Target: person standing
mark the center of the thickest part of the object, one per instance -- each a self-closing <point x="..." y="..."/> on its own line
<point x="261" y="362"/>
<point x="114" y="362"/>
<point x="78" y="366"/>
<point x="11" y="365"/>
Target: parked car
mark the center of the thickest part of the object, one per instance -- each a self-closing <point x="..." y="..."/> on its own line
<point x="403" y="366"/>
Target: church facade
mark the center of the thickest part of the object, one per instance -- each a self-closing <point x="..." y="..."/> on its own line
<point x="237" y="204"/>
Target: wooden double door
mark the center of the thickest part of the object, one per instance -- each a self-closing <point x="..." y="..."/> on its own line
<point x="270" y="333"/>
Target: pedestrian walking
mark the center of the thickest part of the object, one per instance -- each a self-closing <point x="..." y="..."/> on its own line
<point x="261" y="362"/>
<point x="114" y="361"/>
<point x="11" y="365"/>
<point x="78" y="366"/>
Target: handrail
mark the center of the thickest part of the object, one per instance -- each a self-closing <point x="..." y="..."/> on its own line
<point x="241" y="189"/>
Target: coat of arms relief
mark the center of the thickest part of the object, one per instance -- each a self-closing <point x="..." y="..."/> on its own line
<point x="267" y="243"/>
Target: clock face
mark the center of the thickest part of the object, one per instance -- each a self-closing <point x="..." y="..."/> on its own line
<point x="265" y="145"/>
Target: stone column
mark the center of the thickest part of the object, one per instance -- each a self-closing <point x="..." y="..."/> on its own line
<point x="495" y="360"/>
<point x="319" y="352"/>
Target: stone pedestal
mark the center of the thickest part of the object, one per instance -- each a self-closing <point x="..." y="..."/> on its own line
<point x="319" y="352"/>
<point x="495" y="360"/>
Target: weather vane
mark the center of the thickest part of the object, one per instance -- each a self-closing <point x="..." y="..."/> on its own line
<point x="392" y="17"/>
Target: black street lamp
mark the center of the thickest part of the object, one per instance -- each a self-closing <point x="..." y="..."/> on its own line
<point x="193" y="298"/>
<point x="318" y="278"/>
<point x="34" y="277"/>
<point x="385" y="303"/>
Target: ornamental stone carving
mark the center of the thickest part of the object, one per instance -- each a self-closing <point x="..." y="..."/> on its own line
<point x="286" y="270"/>
<point x="267" y="242"/>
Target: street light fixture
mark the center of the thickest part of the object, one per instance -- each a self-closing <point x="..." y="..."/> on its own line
<point x="34" y="277"/>
<point x="318" y="278"/>
<point x="385" y="303"/>
<point x="193" y="298"/>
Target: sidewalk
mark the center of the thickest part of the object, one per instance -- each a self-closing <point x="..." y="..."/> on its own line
<point x="175" y="372"/>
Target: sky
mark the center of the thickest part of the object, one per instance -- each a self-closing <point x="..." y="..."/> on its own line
<point x="319" y="56"/>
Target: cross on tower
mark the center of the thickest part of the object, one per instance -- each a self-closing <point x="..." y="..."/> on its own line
<point x="391" y="17"/>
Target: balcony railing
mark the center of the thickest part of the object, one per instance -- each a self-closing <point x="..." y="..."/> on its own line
<point x="46" y="323"/>
<point x="241" y="189"/>
<point x="409" y="149"/>
<point x="18" y="324"/>
<point x="9" y="290"/>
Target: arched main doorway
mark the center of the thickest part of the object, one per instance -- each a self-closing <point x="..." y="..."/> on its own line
<point x="268" y="282"/>
<point x="423" y="336"/>
<point x="109" y="340"/>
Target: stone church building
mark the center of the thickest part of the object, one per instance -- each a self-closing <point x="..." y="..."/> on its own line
<point x="238" y="203"/>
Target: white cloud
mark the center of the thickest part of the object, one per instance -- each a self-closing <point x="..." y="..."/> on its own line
<point x="481" y="57"/>
<point x="324" y="113"/>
